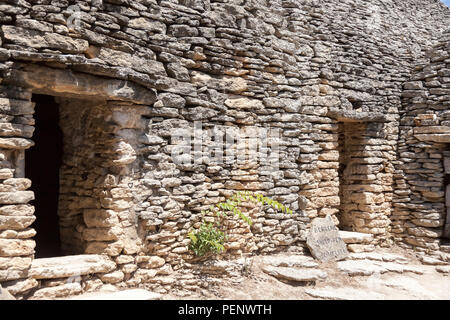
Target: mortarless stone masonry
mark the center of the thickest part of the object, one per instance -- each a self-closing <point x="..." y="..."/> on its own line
<point x="361" y="105"/>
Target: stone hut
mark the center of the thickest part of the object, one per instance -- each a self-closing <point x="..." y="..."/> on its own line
<point x="96" y="97"/>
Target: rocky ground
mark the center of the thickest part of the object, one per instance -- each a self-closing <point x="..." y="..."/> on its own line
<point x="381" y="275"/>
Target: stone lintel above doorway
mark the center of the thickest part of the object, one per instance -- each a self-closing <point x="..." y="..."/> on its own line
<point x="67" y="83"/>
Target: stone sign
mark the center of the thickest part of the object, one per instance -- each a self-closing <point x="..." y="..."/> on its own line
<point x="324" y="241"/>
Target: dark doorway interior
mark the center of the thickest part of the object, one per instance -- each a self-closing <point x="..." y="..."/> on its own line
<point x="447" y="193"/>
<point x="42" y="164"/>
<point x="343" y="216"/>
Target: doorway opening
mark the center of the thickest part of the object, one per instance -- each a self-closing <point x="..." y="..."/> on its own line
<point x="42" y="167"/>
<point x="346" y="207"/>
<point x="446" y="235"/>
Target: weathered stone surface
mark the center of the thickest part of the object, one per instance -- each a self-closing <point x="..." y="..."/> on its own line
<point x="131" y="294"/>
<point x="16" y="248"/>
<point x="21" y="286"/>
<point x="113" y="277"/>
<point x="68" y="83"/>
<point x="432" y="261"/>
<point x="13" y="268"/>
<point x="57" y="292"/>
<point x="324" y="240"/>
<point x="355" y="237"/>
<point x="344" y="293"/>
<point x="367" y="268"/>
<point x="443" y="269"/>
<point x="295" y="274"/>
<point x="378" y="257"/>
<point x="5" y="295"/>
<point x="68" y="266"/>
<point x="6" y="173"/>
<point x="95" y="218"/>
<point x="349" y="109"/>
<point x="36" y="39"/>
<point x="360" y="268"/>
<point x="17" y="210"/>
<point x="18" y="197"/>
<point x="16" y="143"/>
<point x="360" y="247"/>
<point x="440" y="138"/>
<point x="290" y="261"/>
<point x="16" y="222"/>
<point x="356" y="116"/>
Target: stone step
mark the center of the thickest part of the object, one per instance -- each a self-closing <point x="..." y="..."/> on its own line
<point x="408" y="285"/>
<point x="387" y="257"/>
<point x="295" y="274"/>
<point x="351" y="237"/>
<point x="358" y="248"/>
<point x="70" y="266"/>
<point x="345" y="293"/>
<point x="132" y="294"/>
<point x="290" y="261"/>
<point x="369" y="267"/>
<point x="443" y="269"/>
<point x="445" y="247"/>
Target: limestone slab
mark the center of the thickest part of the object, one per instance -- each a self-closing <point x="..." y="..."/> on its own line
<point x="407" y="284"/>
<point x="356" y="116"/>
<point x="356" y="247"/>
<point x="355" y="237"/>
<point x="431" y="261"/>
<point x="344" y="293"/>
<point x="388" y="257"/>
<point x="21" y="286"/>
<point x="367" y="268"/>
<point x="16" y="247"/>
<point x="58" y="291"/>
<point x="443" y="269"/>
<point x="290" y="261"/>
<point x="133" y="294"/>
<point x="69" y="266"/>
<point x="324" y="241"/>
<point x="360" y="268"/>
<point x="5" y="295"/>
<point x="18" y="197"/>
<point x="447" y="165"/>
<point x="295" y="274"/>
<point x="434" y="137"/>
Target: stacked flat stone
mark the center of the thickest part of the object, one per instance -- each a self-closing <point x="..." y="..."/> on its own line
<point x="420" y="203"/>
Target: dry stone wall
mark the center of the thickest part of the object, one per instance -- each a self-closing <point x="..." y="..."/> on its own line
<point x="327" y="75"/>
<point x="420" y="204"/>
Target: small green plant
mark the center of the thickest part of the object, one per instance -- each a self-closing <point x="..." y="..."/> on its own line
<point x="209" y="238"/>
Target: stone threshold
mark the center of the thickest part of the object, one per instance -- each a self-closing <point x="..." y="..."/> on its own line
<point x="70" y="266"/>
<point x="355" y="237"/>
